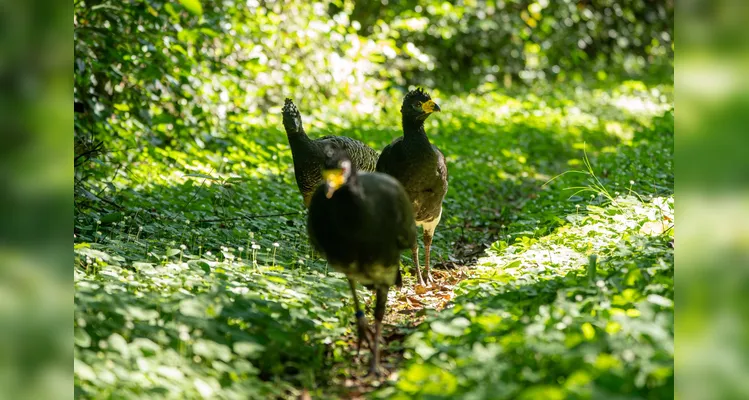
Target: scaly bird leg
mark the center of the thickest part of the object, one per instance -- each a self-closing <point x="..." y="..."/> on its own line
<point x="362" y="327"/>
<point x="415" y="252"/>
<point x="428" y="235"/>
<point x="382" y="298"/>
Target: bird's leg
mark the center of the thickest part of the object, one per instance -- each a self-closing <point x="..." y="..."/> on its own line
<point x="415" y="252"/>
<point x="382" y="298"/>
<point x="362" y="327"/>
<point x="428" y="235"/>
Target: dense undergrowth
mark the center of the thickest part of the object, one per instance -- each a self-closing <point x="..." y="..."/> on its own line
<point x="194" y="277"/>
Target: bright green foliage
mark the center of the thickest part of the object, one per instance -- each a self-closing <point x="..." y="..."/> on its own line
<point x="172" y="73"/>
<point x="532" y="323"/>
<point x="193" y="274"/>
<point x="529" y="323"/>
<point x="153" y="317"/>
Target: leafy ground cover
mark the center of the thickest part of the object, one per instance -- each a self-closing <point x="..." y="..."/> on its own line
<point x="194" y="277"/>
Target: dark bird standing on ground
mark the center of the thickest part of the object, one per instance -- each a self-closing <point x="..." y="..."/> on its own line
<point x="361" y="222"/>
<point x="420" y="167"/>
<point x="309" y="155"/>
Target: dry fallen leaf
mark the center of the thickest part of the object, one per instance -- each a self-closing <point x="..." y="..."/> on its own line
<point x="414" y="302"/>
<point x="445" y="296"/>
<point x="419" y="289"/>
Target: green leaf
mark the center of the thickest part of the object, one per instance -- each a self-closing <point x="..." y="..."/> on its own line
<point x="81" y="338"/>
<point x="248" y="349"/>
<point x="192" y="6"/>
<point x="111" y="217"/>
<point x="119" y="344"/>
<point x="455" y="327"/>
<point x="588" y="331"/>
<point x="212" y="350"/>
<point x="83" y="371"/>
<point x="660" y="301"/>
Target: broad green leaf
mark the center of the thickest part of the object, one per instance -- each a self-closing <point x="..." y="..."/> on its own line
<point x="192" y="6"/>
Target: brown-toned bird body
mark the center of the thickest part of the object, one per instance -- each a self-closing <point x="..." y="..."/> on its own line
<point x="309" y="155"/>
<point x="420" y="167"/>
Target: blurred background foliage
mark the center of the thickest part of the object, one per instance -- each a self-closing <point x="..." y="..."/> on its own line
<point x="155" y="73"/>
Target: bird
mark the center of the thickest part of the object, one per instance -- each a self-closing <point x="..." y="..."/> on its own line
<point x="421" y="168"/>
<point x="309" y="154"/>
<point x="361" y="222"/>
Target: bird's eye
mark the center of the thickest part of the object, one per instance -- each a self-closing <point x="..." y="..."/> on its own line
<point x="417" y="106"/>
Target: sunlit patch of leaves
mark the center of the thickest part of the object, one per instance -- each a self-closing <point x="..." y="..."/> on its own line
<point x="176" y="293"/>
<point x="536" y="319"/>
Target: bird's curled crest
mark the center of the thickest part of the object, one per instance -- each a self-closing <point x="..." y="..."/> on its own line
<point x="292" y="120"/>
<point x="417" y="94"/>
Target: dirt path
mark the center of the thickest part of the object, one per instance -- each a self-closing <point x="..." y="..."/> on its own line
<point x="407" y="309"/>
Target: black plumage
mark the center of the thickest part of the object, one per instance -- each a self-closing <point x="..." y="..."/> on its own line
<point x="309" y="155"/>
<point x="361" y="222"/>
<point x="420" y="167"/>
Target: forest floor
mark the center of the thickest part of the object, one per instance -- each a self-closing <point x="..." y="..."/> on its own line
<point x="194" y="277"/>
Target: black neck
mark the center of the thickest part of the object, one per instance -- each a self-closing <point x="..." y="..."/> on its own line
<point x="297" y="137"/>
<point x="413" y="130"/>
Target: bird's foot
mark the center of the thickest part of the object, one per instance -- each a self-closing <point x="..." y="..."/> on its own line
<point x="375" y="371"/>
<point x="429" y="280"/>
<point x="419" y="277"/>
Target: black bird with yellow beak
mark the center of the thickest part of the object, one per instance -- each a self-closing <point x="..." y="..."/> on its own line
<point x="361" y="222"/>
<point x="420" y="167"/>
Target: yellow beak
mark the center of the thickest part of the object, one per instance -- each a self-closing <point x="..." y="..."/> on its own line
<point x="430" y="106"/>
<point x="335" y="179"/>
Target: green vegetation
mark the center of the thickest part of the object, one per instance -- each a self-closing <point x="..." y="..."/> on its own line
<point x="193" y="273"/>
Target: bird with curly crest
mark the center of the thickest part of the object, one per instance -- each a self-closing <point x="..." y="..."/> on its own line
<point x="420" y="167"/>
<point x="309" y="154"/>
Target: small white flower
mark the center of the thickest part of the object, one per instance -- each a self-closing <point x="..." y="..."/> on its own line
<point x="208" y="253"/>
<point x="98" y="233"/>
<point x="187" y="222"/>
<point x="256" y="247"/>
<point x="241" y="249"/>
<point x="140" y="228"/>
<point x="182" y="246"/>
<point x="631" y="182"/>
<point x="98" y="222"/>
<point x="276" y="244"/>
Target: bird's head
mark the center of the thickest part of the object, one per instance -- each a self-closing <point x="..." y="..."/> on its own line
<point x="418" y="105"/>
<point x="337" y="170"/>
<point x="292" y="120"/>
